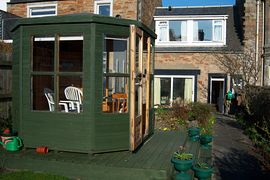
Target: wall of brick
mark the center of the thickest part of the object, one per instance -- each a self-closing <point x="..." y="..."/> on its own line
<point x="18" y="9"/>
<point x="205" y="62"/>
<point x="148" y="11"/>
<point x="249" y="27"/>
<point x="125" y="8"/>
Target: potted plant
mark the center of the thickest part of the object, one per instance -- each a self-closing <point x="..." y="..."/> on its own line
<point x="182" y="162"/>
<point x="207" y="132"/>
<point x="202" y="170"/>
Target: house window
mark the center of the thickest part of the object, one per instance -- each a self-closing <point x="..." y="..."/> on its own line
<point x="103" y="7"/>
<point x="42" y="10"/>
<point x="191" y="32"/>
<point x="56" y="64"/>
<point x="169" y="89"/>
<point x="115" y="75"/>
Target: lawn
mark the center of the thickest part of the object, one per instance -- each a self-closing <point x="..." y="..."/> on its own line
<point x="28" y="175"/>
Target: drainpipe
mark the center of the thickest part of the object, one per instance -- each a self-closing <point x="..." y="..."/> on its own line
<point x="263" y="42"/>
<point x="257" y="33"/>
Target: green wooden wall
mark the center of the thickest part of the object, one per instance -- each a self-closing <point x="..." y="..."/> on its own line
<point x="91" y="130"/>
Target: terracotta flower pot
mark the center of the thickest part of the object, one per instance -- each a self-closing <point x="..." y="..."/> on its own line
<point x="42" y="150"/>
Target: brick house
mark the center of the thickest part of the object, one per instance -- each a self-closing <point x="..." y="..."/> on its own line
<point x="142" y="10"/>
<point x="256" y="23"/>
<point x="185" y="67"/>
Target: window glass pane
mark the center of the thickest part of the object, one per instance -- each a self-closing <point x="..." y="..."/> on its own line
<point x="71" y="54"/>
<point x="104" y="9"/>
<point x="115" y="81"/>
<point x="178" y="30"/>
<point x="115" y="95"/>
<point x="182" y="89"/>
<point x="115" y="56"/>
<point x="202" y="30"/>
<point x="42" y="11"/>
<point x="71" y="93"/>
<point x="165" y="91"/>
<point x="178" y="88"/>
<point x="43" y="54"/>
<point x="43" y="93"/>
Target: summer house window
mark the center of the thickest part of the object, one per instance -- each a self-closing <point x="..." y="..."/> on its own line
<point x="103" y="7"/>
<point x="115" y="75"/>
<point x="191" y="32"/>
<point x="42" y="10"/>
<point x="57" y="63"/>
<point x="169" y="89"/>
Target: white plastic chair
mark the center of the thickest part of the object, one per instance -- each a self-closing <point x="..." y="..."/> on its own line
<point x="74" y="96"/>
<point x="49" y="96"/>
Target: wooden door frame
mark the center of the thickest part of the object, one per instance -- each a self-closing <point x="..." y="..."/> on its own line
<point x="134" y="31"/>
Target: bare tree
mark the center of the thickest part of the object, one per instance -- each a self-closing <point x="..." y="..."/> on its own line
<point x="240" y="63"/>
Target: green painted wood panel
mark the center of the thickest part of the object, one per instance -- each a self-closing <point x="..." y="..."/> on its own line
<point x="92" y="130"/>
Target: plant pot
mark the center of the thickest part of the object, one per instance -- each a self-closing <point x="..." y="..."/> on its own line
<point x="182" y="166"/>
<point x="202" y="173"/>
<point x="205" y="140"/>
<point x="194" y="133"/>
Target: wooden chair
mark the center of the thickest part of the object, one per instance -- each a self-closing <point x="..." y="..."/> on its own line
<point x="119" y="102"/>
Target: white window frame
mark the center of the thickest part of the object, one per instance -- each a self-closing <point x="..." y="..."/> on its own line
<point x="190" y="19"/>
<point x="179" y="76"/>
<point x="97" y="3"/>
<point x="30" y="7"/>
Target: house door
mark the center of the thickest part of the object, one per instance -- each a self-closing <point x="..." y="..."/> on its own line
<point x="217" y="93"/>
<point x="139" y="88"/>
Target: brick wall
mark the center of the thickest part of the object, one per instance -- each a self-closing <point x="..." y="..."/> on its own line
<point x="125" y="8"/>
<point x="148" y="11"/>
<point x="205" y="62"/>
<point x="18" y="9"/>
<point x="250" y="28"/>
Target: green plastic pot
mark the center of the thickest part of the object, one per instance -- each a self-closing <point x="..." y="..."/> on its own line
<point x="194" y="133"/>
<point x="182" y="165"/>
<point x="202" y="173"/>
<point x="205" y="140"/>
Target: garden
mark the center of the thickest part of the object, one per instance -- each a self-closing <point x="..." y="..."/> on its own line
<point x="254" y="117"/>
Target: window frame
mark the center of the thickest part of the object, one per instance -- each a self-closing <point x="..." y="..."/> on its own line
<point x="190" y="20"/>
<point x="179" y="76"/>
<point x="98" y="3"/>
<point x="116" y="74"/>
<point x="32" y="6"/>
<point x="55" y="72"/>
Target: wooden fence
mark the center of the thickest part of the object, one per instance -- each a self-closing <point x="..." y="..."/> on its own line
<point x="5" y="84"/>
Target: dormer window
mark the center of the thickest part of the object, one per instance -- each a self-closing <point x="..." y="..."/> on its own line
<point x="191" y="31"/>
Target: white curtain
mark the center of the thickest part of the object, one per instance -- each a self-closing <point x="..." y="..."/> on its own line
<point x="195" y="30"/>
<point x="163" y="33"/>
<point x="183" y="30"/>
<point x="156" y="91"/>
<point x="218" y="33"/>
<point x="188" y="90"/>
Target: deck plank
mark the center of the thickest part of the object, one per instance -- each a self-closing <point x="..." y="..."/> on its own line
<point x="152" y="160"/>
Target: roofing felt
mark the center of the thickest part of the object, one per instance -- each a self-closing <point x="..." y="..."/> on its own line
<point x="82" y="18"/>
<point x="7" y="21"/>
<point x="234" y="35"/>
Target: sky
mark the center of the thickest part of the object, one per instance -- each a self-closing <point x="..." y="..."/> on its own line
<point x="196" y="2"/>
<point x="3" y="5"/>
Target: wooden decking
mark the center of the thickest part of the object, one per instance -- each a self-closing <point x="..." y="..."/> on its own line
<point x="151" y="161"/>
